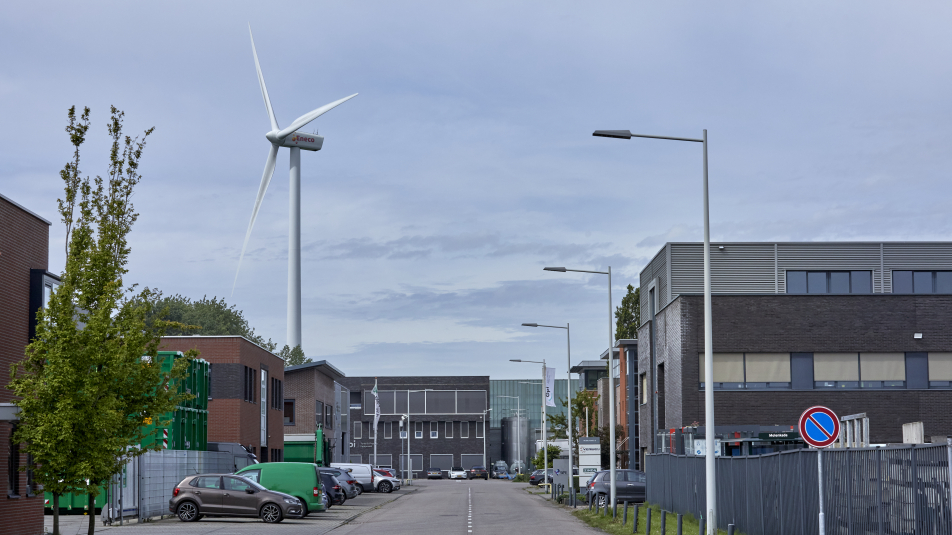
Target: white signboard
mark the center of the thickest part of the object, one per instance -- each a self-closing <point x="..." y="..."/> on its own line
<point x="700" y="447"/>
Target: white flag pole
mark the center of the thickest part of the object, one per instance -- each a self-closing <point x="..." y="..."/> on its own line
<point x="376" y="420"/>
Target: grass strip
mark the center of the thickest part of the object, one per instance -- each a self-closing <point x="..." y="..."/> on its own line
<point x="613" y="525"/>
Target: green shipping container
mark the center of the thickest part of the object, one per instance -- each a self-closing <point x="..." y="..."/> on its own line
<point x="75" y="503"/>
<point x="188" y="425"/>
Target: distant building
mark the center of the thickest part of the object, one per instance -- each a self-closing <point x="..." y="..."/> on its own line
<point x="25" y="287"/>
<point x="246" y="398"/>
<point x="314" y="399"/>
<point x="446" y="421"/>
<point x="859" y="327"/>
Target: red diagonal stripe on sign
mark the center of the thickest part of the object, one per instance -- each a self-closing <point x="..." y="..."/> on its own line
<point x="822" y="429"/>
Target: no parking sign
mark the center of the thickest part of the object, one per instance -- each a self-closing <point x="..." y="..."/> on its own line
<point x="819" y="427"/>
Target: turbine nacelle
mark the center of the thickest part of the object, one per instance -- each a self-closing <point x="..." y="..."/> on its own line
<point x="297" y="140"/>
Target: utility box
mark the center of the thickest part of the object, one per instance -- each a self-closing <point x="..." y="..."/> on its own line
<point x="913" y="433"/>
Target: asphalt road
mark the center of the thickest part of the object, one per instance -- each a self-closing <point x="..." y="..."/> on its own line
<point x="428" y="507"/>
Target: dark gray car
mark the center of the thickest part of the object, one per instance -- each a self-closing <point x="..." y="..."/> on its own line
<point x="629" y="485"/>
<point x="230" y="495"/>
<point x="347" y="483"/>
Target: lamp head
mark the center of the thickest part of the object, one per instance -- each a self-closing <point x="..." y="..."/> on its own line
<point x="617" y="134"/>
<point x="515" y="360"/>
<point x="530" y="324"/>
<point x="560" y="269"/>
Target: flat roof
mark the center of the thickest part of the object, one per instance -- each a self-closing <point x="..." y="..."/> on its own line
<point x="326" y="367"/>
<point x="25" y="209"/>
<point x="221" y="336"/>
<point x="588" y="365"/>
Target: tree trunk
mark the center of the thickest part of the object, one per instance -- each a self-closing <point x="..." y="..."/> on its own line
<point x="56" y="530"/>
<point x="92" y="514"/>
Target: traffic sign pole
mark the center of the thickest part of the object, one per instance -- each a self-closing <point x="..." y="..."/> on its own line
<point x="819" y="464"/>
<point x="819" y="427"/>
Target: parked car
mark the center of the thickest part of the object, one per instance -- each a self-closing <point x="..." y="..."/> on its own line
<point x="230" y="495"/>
<point x="478" y="472"/>
<point x="629" y="485"/>
<point x="434" y="473"/>
<point x="347" y="481"/>
<point x="389" y="472"/>
<point x="457" y="472"/>
<point x="537" y="476"/>
<point x="333" y="491"/>
<point x="362" y="473"/>
<point x="385" y="483"/>
<point x="241" y="455"/>
<point x="297" y="479"/>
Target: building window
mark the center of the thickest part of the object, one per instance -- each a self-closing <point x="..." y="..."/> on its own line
<point x="940" y="370"/>
<point x="30" y="484"/>
<point x="836" y="370"/>
<point x="403" y="430"/>
<point x="882" y="370"/>
<point x="249" y="389"/>
<point x="829" y="282"/>
<point x="592" y="377"/>
<point x="210" y="380"/>
<point x="13" y="468"/>
<point x="417" y="429"/>
<point x="319" y="413"/>
<point x="328" y="416"/>
<point x="922" y="282"/>
<point x="388" y="430"/>
<point x="355" y="399"/>
<point x="728" y="370"/>
<point x="754" y="371"/>
<point x="464" y="430"/>
<point x="449" y="430"/>
<point x="434" y="430"/>
<point x="277" y="393"/>
<point x="289" y="412"/>
<point x="358" y="429"/>
<point x="644" y="388"/>
<point x="479" y="429"/>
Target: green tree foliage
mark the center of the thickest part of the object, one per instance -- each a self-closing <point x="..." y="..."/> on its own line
<point x="204" y="316"/>
<point x="628" y="315"/>
<point x="580" y="401"/>
<point x="85" y="387"/>
<point x="554" y="452"/>
<point x="293" y="357"/>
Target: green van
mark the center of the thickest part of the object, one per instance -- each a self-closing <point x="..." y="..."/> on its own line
<point x="300" y="480"/>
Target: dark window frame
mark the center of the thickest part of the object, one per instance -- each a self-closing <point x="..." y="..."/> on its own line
<point x="795" y="277"/>
<point x="293" y="421"/>
<point x="13" y="467"/>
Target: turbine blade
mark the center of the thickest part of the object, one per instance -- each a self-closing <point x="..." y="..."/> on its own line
<point x="310" y="116"/>
<point x="264" y="88"/>
<point x="265" y="180"/>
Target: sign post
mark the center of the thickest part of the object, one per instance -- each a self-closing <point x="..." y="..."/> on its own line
<point x="819" y="428"/>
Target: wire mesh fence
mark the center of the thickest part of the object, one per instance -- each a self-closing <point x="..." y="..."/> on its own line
<point x="144" y="487"/>
<point x="867" y="491"/>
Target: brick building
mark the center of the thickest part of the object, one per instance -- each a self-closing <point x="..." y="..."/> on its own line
<point x="24" y="254"/>
<point x="246" y="399"/>
<point x="857" y="327"/>
<point x="447" y="421"/>
<point x="313" y="398"/>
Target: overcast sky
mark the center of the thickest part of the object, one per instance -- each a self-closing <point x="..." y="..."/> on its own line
<point x="466" y="164"/>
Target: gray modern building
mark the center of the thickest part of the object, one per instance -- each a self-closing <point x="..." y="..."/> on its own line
<point x="445" y="417"/>
<point x="858" y="327"/>
<point x="517" y="406"/>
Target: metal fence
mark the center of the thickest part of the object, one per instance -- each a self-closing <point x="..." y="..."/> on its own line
<point x="866" y="491"/>
<point x="144" y="487"/>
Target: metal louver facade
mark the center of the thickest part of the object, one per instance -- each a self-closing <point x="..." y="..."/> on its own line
<point x="760" y="268"/>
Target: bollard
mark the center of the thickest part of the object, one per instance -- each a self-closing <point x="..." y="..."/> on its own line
<point x="730" y="529"/>
<point x="597" y="504"/>
<point x="606" y="505"/>
<point x="700" y="525"/>
<point x="664" y="517"/>
<point x="648" y="522"/>
<point x="615" y="510"/>
<point x="624" y="519"/>
<point x="680" y="518"/>
<point x="634" y="522"/>
<point x="590" y="504"/>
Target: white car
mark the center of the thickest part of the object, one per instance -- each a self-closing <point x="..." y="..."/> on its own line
<point x="457" y="472"/>
<point x="385" y="483"/>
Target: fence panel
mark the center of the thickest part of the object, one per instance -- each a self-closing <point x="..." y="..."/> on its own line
<point x="867" y="491"/>
<point x="160" y="471"/>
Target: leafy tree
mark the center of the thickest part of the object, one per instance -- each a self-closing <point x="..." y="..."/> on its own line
<point x="628" y="315"/>
<point x="293" y="357"/>
<point x="554" y="452"/>
<point x="211" y="317"/>
<point x="580" y="401"/>
<point x="85" y="387"/>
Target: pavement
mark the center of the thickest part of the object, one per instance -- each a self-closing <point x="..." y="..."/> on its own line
<point x="428" y="507"/>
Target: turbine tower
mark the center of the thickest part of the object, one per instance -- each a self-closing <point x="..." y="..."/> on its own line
<point x="291" y="138"/>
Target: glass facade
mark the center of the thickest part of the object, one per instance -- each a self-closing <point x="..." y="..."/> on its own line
<point x="529" y="399"/>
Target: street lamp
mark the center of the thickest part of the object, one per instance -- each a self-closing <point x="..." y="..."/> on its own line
<point x="485" y="414"/>
<point x="518" y="433"/>
<point x="611" y="373"/>
<point x="545" y="441"/>
<point x="708" y="330"/>
<point x="568" y="419"/>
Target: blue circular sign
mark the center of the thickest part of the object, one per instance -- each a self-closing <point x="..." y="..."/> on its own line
<point x="819" y="427"/>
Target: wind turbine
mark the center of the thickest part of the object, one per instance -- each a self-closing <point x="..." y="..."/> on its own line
<point x="291" y="138"/>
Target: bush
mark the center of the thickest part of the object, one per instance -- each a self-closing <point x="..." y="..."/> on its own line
<point x="521" y="478"/>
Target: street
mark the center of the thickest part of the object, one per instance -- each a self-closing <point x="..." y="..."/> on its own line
<point x="444" y="506"/>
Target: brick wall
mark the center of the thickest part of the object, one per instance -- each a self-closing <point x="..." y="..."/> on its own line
<point x="230" y="417"/>
<point x="24" y="245"/>
<point x="798" y="323"/>
<point x="307" y="386"/>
